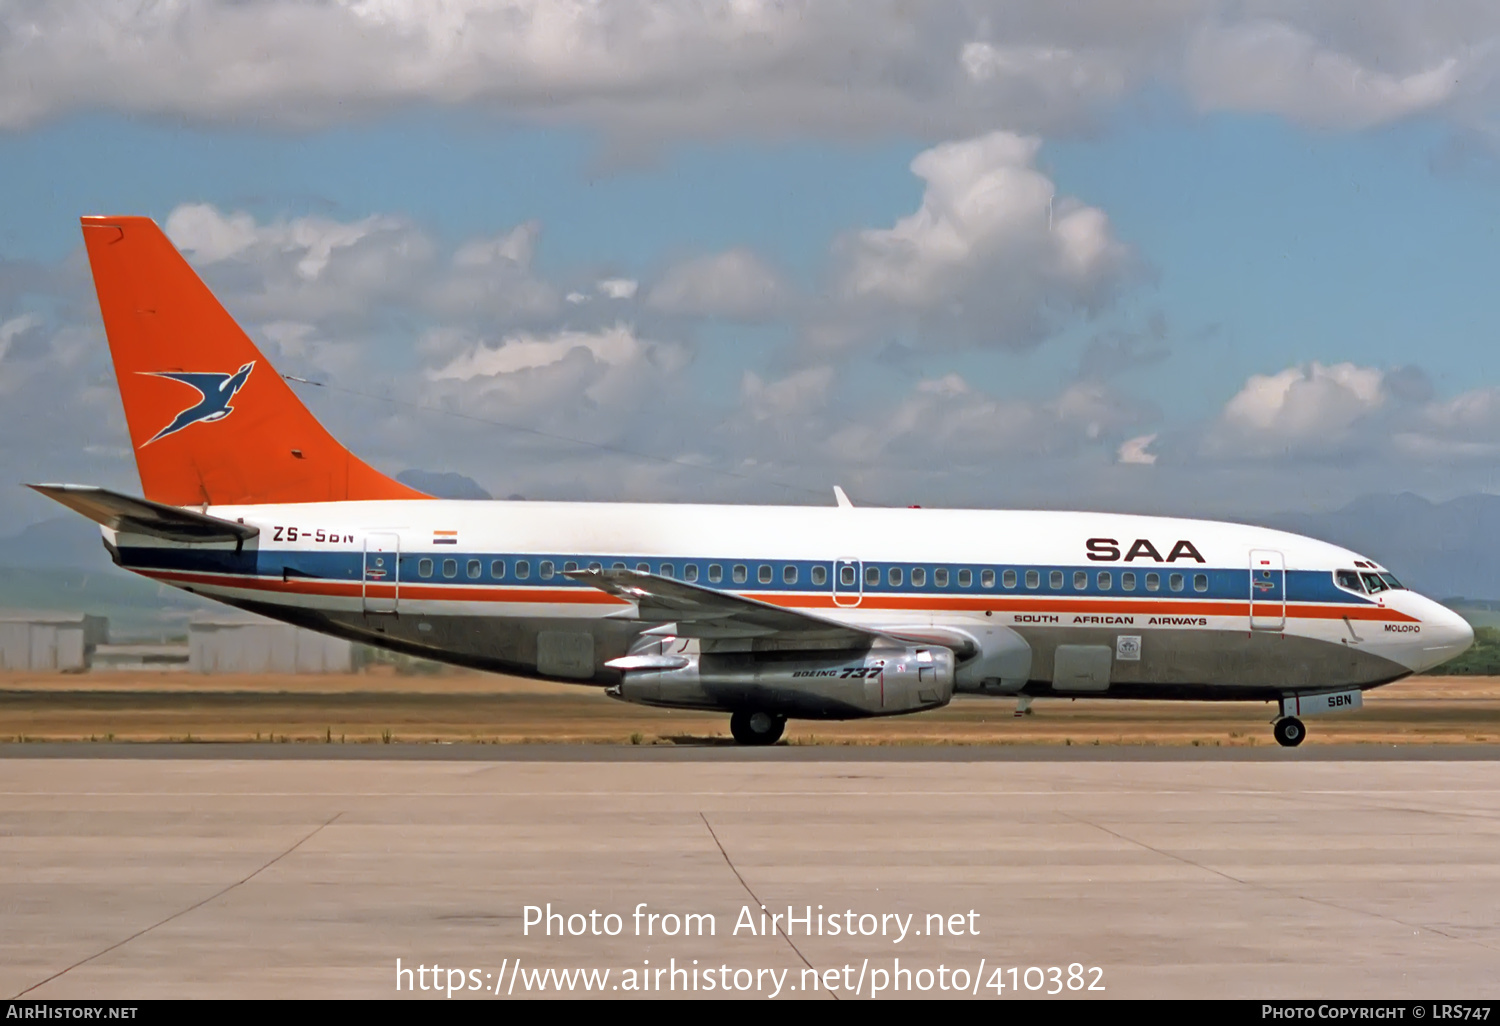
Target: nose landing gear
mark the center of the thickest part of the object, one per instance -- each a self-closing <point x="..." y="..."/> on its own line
<point x="1290" y="732"/>
<point x="756" y="728"/>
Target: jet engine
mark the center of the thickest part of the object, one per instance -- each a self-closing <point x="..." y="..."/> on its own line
<point x="826" y="685"/>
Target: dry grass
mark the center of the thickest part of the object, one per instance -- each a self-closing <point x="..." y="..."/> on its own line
<point x="378" y="708"/>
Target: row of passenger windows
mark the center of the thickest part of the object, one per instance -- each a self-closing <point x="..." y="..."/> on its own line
<point x="765" y="573"/>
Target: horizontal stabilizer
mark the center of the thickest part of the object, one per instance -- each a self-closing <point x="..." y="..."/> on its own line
<point x="142" y="516"/>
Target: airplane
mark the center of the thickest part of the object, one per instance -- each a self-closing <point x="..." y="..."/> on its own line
<point x="767" y="613"/>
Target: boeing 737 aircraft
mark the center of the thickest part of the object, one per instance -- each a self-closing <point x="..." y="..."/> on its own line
<point x="762" y="612"/>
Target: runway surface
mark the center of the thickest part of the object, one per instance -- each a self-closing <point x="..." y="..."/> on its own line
<point x="730" y="752"/>
<point x="273" y="876"/>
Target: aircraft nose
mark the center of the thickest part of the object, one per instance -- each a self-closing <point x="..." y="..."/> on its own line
<point x="1444" y="635"/>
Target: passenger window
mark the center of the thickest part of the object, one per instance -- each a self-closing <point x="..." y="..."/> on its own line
<point x="763" y="573"/>
<point x="1080" y="580"/>
<point x="820" y="575"/>
<point x="450" y="568"/>
<point x="644" y="568"/>
<point x="1033" y="579"/>
<point x="667" y="570"/>
<point x="893" y="575"/>
<point x="619" y="566"/>
<point x="1200" y="582"/>
<point x="523" y="569"/>
<point x="918" y="578"/>
<point x="1054" y="580"/>
<point x="940" y="578"/>
<point x="1105" y="580"/>
<point x="1153" y="582"/>
<point x="1008" y="579"/>
<point x="986" y="578"/>
<point x="965" y="578"/>
<point x="497" y="568"/>
<point x="1175" y="581"/>
<point x="1373" y="583"/>
<point x="872" y="575"/>
<point x="788" y="574"/>
<point x="690" y="572"/>
<point x="1347" y="579"/>
<point x="424" y="568"/>
<point x="1127" y="581"/>
<point x="846" y="576"/>
<point x="595" y="566"/>
<point x="740" y="574"/>
<point x="544" y="570"/>
<point x="570" y="566"/>
<point x="474" y="568"/>
<point x="715" y="573"/>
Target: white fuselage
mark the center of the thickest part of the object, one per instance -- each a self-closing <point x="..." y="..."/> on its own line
<point x="1214" y="609"/>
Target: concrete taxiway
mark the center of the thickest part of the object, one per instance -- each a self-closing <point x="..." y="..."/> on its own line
<point x="216" y="875"/>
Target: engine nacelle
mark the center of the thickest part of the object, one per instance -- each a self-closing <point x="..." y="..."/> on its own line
<point x="1003" y="662"/>
<point x="835" y="685"/>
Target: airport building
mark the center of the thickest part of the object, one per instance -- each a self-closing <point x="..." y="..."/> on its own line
<point x="255" y="645"/>
<point x="62" y="642"/>
<point x="77" y="642"/>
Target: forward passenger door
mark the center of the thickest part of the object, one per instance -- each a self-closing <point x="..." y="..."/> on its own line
<point x="1267" y="590"/>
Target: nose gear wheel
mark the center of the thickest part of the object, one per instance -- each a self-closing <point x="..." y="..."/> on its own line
<point x="1290" y="732"/>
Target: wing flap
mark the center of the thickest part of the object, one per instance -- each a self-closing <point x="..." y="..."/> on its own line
<point x="700" y="612"/>
<point x="142" y="516"/>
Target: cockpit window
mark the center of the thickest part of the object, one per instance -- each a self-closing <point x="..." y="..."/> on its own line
<point x="1391" y="582"/>
<point x="1373" y="583"/>
<point x="1348" y="579"/>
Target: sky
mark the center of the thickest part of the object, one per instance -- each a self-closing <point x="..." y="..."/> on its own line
<point x="1225" y="259"/>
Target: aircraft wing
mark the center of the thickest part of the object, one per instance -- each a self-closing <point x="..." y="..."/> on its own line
<point x="705" y="613"/>
<point x="142" y="516"/>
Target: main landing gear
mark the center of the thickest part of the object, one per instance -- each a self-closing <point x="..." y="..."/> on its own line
<point x="756" y="728"/>
<point x="1290" y="732"/>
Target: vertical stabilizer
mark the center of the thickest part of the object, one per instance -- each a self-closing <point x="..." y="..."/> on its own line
<point x="210" y="419"/>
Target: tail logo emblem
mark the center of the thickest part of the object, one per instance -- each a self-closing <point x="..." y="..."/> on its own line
<point x="214" y="392"/>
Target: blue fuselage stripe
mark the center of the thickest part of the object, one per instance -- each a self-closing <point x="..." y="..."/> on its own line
<point x="967" y="579"/>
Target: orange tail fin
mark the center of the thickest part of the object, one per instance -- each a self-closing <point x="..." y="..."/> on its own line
<point x="210" y="419"/>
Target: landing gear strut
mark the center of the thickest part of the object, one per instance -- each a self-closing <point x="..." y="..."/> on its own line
<point x="1290" y="732"/>
<point x="756" y="728"/>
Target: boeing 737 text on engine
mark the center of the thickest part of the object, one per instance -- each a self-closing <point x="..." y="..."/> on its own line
<point x="761" y="612"/>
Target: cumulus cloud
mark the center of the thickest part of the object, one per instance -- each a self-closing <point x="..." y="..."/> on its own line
<point x="655" y="68"/>
<point x="527" y="371"/>
<point x="302" y="345"/>
<point x="947" y="421"/>
<point x="1355" y="413"/>
<point x="1310" y="410"/>
<point x="787" y="397"/>
<point x="1133" y="450"/>
<point x="493" y="277"/>
<point x="305" y="267"/>
<point x="735" y="284"/>
<point x="618" y="288"/>
<point x="1272" y="67"/>
<point x="13" y="329"/>
<point x="1461" y="429"/>
<point x="992" y="256"/>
